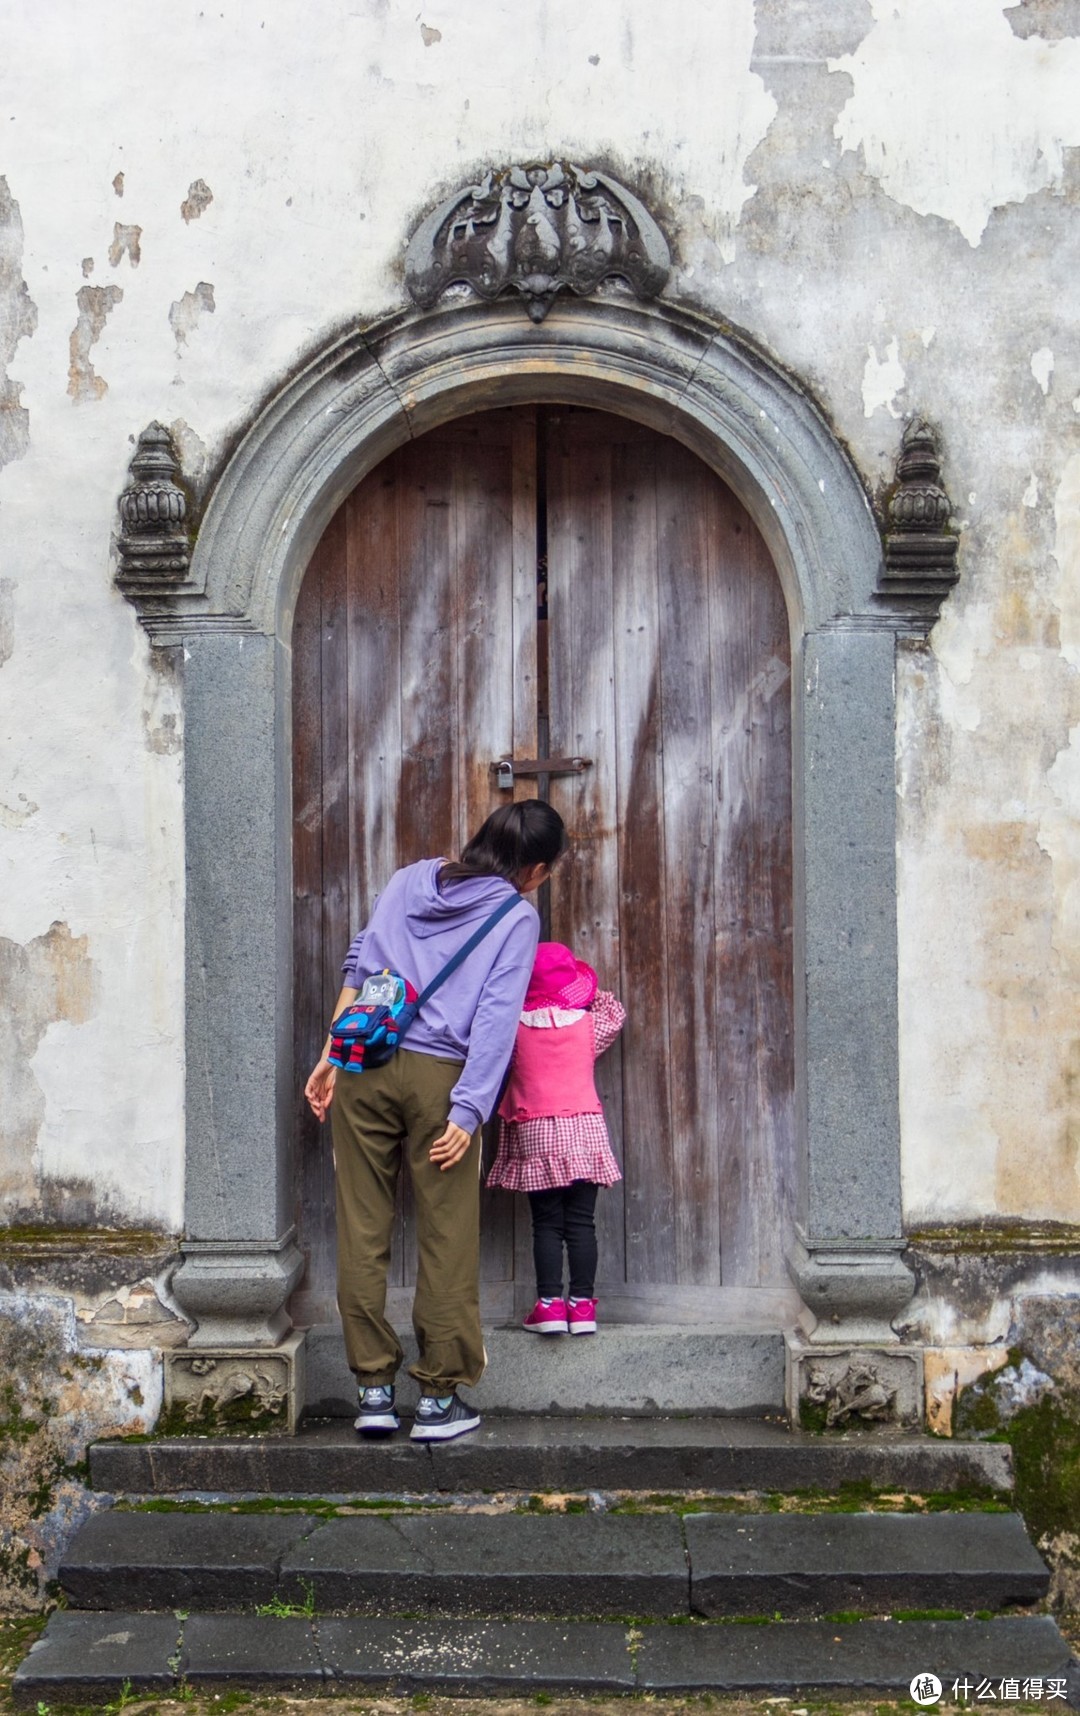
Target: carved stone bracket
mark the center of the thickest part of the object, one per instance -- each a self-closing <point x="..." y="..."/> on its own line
<point x="920" y="548"/>
<point x="537" y="230"/>
<point x="154" y="544"/>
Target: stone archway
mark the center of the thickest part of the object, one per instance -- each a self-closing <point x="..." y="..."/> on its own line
<point x="351" y="405"/>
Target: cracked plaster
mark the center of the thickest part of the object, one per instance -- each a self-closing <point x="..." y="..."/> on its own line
<point x="954" y="132"/>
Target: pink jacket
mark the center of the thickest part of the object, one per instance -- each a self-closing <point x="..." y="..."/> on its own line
<point x="552" y="1068"/>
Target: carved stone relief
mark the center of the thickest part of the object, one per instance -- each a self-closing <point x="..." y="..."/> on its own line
<point x="854" y="1388"/>
<point x="858" y="1392"/>
<point x="537" y="230"/>
<point x="261" y="1389"/>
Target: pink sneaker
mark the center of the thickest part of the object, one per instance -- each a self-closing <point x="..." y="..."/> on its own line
<point x="581" y="1316"/>
<point x="549" y="1319"/>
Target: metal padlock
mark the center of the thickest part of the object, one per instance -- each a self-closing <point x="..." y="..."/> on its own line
<point x="504" y="776"/>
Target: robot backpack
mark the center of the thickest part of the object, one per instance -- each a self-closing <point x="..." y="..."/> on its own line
<point x="367" y="1032"/>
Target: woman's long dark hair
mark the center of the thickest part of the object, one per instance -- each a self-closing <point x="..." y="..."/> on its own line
<point x="513" y="838"/>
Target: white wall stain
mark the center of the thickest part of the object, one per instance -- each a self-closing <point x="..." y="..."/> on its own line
<point x="1030" y="496"/>
<point x="95" y="305"/>
<point x="186" y="313"/>
<point x="7" y="618"/>
<point x="198" y="199"/>
<point x="1065" y="585"/>
<point x="1058" y="839"/>
<point x="14" y="815"/>
<point x="956" y="115"/>
<point x="18" y="319"/>
<point x="883" y="379"/>
<point x="1042" y="367"/>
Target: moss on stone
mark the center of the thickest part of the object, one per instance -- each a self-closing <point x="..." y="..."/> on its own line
<point x="1044" y="1436"/>
<point x="120" y="1241"/>
<point x="996" y="1237"/>
<point x="977" y="1412"/>
<point x="243" y="1417"/>
<point x="813" y="1415"/>
<point x="1045" y="1441"/>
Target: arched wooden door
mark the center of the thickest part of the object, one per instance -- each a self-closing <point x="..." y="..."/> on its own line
<point x="562" y="582"/>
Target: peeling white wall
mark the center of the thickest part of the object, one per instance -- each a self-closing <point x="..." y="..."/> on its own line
<point x="954" y="113"/>
<point x="881" y="193"/>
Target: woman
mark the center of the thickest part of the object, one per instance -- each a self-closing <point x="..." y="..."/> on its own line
<point x="431" y="1098"/>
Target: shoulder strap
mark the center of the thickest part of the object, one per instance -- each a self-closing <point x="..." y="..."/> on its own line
<point x="463" y="952"/>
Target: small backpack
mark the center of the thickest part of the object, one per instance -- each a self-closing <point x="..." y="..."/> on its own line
<point x="367" y="1032"/>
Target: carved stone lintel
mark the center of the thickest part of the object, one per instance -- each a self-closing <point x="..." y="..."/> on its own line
<point x="854" y="1388"/>
<point x="537" y="230"/>
<point x="154" y="544"/>
<point x="920" y="548"/>
<point x="221" y="1388"/>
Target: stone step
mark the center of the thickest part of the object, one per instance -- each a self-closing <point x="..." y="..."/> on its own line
<point x="550" y="1453"/>
<point x="477" y="1563"/>
<point x="86" y="1658"/>
<point x="627" y="1367"/>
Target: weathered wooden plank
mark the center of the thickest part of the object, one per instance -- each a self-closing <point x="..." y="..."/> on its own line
<point x="428" y="786"/>
<point x="736" y="1025"/>
<point x="648" y="1142"/>
<point x="771" y="918"/>
<point x="750" y="661"/>
<point x="529" y="694"/>
<point x="524" y="654"/>
<point x="585" y="895"/>
<point x="485" y="591"/>
<point x="483" y="517"/>
<point x="689" y="840"/>
<point x="374" y="703"/>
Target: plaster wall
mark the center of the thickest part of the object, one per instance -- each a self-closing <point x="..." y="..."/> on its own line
<point x="884" y="197"/>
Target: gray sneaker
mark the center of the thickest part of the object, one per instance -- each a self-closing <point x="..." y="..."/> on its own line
<point x="439" y="1418"/>
<point x="377" y="1415"/>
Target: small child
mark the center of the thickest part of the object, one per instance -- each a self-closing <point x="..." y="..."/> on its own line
<point x="553" y="1141"/>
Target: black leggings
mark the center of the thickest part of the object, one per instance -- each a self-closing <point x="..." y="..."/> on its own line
<point x="564" y="1216"/>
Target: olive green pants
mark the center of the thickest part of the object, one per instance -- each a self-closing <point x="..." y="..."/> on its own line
<point x="379" y="1117"/>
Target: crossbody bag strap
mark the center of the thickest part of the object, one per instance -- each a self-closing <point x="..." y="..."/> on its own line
<point x="463" y="952"/>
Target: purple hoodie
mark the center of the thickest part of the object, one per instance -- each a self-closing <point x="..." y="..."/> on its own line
<point x="414" y="930"/>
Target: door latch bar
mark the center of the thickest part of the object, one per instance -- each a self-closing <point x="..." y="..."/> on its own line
<point x="507" y="768"/>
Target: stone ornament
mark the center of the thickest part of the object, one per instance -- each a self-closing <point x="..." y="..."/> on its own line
<point x="217" y="1383"/>
<point x="920" y="548"/>
<point x="872" y="1390"/>
<point x="537" y="230"/>
<point x="243" y="1391"/>
<point x="154" y="545"/>
<point x="858" y="1392"/>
